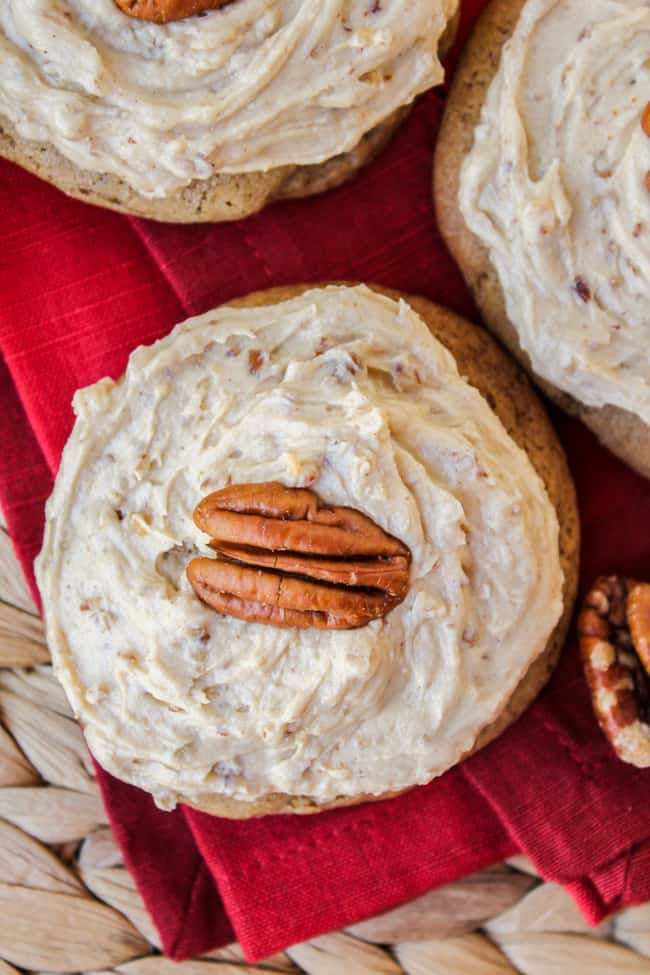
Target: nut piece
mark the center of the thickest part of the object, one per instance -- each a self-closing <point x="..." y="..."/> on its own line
<point x="285" y="558"/>
<point x="614" y="646"/>
<point x="638" y="618"/>
<point x="645" y="120"/>
<point x="162" y="11"/>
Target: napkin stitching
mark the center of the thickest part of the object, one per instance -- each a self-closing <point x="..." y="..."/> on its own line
<point x="261" y="859"/>
<point x="379" y="811"/>
<point x="187" y="906"/>
<point x="587" y="898"/>
<point x="620" y="898"/>
<point x="253" y="249"/>
<point x="159" y="265"/>
<point x="624" y="857"/>
<point x="586" y="766"/>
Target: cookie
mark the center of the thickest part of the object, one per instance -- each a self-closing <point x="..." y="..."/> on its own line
<point x="341" y="394"/>
<point x="210" y="118"/>
<point x="221" y="197"/>
<point x="558" y="236"/>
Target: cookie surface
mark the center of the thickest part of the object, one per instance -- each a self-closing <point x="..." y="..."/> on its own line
<point x="352" y="412"/>
<point x="210" y="118"/>
<point x="623" y="431"/>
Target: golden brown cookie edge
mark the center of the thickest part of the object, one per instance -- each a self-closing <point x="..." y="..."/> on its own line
<point x="221" y="198"/>
<point x="625" y="434"/>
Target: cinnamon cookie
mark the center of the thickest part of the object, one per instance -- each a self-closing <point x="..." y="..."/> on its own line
<point x="542" y="194"/>
<point x="149" y="108"/>
<point x="313" y="548"/>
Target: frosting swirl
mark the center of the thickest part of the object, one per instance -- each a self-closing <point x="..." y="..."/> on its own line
<point x="252" y="86"/>
<point x="346" y="391"/>
<point x="555" y="186"/>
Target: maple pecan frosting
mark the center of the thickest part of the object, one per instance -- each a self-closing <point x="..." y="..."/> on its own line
<point x="251" y="86"/>
<point x="557" y="188"/>
<point x="331" y="426"/>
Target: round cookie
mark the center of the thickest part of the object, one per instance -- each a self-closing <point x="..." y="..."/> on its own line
<point x="483" y="364"/>
<point x="620" y="430"/>
<point x="223" y="196"/>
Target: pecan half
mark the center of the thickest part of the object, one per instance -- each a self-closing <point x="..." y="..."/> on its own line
<point x="163" y="11"/>
<point x="286" y="558"/>
<point x="614" y="636"/>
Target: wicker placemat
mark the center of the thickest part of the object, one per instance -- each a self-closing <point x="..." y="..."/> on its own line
<point x="68" y="905"/>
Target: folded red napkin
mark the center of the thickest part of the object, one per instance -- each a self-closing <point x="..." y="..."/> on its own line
<point x="81" y="288"/>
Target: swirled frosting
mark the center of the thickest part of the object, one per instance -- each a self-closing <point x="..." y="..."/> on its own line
<point x="252" y="86"/>
<point x="348" y="392"/>
<point x="555" y="187"/>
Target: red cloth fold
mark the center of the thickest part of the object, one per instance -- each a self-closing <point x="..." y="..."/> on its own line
<point x="81" y="288"/>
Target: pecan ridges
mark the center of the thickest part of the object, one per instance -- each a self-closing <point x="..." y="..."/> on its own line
<point x="638" y="619"/>
<point x="287" y="559"/>
<point x="614" y="636"/>
<point x="163" y="11"/>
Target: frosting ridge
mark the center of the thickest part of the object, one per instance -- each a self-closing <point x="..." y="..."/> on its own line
<point x="255" y="85"/>
<point x="555" y="187"/>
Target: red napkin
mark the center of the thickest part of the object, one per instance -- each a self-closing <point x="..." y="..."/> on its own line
<point x="81" y="288"/>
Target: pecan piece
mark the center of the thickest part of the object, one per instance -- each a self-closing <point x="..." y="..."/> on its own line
<point x="163" y="11"/>
<point x="389" y="574"/>
<point x="286" y="558"/>
<point x="277" y="518"/>
<point x="614" y="636"/>
<point x="645" y="119"/>
<point x="638" y="619"/>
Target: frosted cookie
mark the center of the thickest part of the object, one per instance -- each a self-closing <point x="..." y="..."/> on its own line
<point x="543" y="196"/>
<point x="216" y="112"/>
<point x="314" y="547"/>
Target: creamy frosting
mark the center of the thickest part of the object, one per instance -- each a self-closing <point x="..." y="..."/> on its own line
<point x="555" y="187"/>
<point x="347" y="392"/>
<point x="255" y="85"/>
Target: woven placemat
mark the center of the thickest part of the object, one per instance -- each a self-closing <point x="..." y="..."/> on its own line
<point x="68" y="905"/>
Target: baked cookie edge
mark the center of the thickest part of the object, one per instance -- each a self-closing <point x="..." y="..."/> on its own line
<point x="622" y="432"/>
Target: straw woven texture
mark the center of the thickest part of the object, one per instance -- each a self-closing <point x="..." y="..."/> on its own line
<point x="68" y="905"/>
